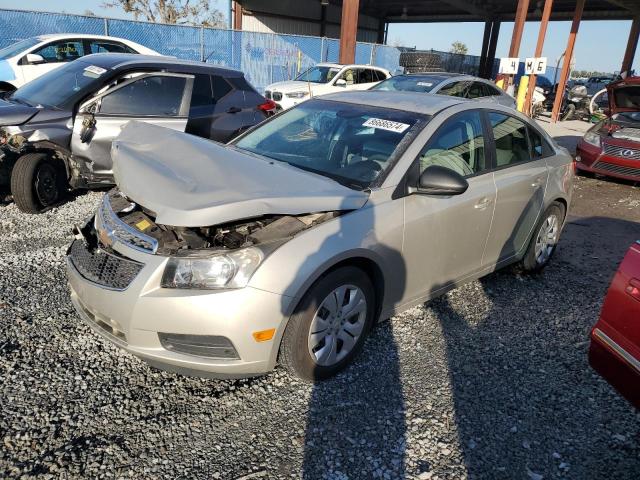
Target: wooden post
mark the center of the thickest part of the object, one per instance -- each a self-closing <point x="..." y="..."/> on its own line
<point x="544" y="22"/>
<point x="566" y="64"/>
<point x="348" y="31"/>
<point x="632" y="44"/>
<point x="237" y="16"/>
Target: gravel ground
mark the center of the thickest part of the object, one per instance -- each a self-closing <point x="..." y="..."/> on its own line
<point x="490" y="381"/>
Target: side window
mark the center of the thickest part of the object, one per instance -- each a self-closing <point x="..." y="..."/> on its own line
<point x="455" y="89"/>
<point x="101" y="46"/>
<point x="350" y="76"/>
<point x="365" y="75"/>
<point x="510" y="135"/>
<point x="201" y="95"/>
<point x="539" y="146"/>
<point x="476" y="90"/>
<point x="457" y="145"/>
<point x="220" y="87"/>
<point x="61" y="51"/>
<point x="149" y="96"/>
<point x="490" y="90"/>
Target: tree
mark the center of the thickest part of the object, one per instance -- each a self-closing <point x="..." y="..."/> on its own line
<point x="89" y="13"/>
<point x="180" y="12"/>
<point x="459" y="48"/>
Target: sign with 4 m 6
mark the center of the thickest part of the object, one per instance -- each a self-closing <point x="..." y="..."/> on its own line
<point x="509" y="66"/>
<point x="535" y="66"/>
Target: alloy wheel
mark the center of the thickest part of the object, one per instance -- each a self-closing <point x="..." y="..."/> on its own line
<point x="337" y="325"/>
<point x="547" y="239"/>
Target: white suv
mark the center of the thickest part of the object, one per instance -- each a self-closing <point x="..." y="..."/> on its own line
<point x="27" y="59"/>
<point x="322" y="79"/>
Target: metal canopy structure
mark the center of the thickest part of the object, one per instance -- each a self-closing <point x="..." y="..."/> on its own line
<point x="425" y="11"/>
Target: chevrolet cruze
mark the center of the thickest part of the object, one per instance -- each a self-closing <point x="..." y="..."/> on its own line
<point x="288" y="244"/>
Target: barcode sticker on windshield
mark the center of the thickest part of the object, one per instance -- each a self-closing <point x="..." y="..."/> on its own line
<point x="425" y="84"/>
<point x="95" y="70"/>
<point x="386" y="125"/>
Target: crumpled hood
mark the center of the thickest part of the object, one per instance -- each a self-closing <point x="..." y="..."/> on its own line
<point x="290" y="86"/>
<point x="188" y="181"/>
<point x="15" y="113"/>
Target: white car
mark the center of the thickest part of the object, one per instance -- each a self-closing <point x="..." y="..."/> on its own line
<point x="27" y="59"/>
<point x="322" y="79"/>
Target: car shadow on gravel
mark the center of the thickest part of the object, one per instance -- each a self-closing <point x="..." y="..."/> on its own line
<point x="355" y="426"/>
<point x="527" y="404"/>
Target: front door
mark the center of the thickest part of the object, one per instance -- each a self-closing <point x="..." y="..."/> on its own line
<point x="521" y="179"/>
<point x="158" y="98"/>
<point x="445" y="236"/>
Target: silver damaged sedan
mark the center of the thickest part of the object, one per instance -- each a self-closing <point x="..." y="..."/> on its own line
<point x="288" y="244"/>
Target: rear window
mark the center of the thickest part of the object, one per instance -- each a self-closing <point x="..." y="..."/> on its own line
<point x="627" y="97"/>
<point x="240" y="83"/>
<point x="422" y="84"/>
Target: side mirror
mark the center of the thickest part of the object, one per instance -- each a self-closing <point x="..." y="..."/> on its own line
<point x="437" y="180"/>
<point x="341" y="82"/>
<point x="34" y="59"/>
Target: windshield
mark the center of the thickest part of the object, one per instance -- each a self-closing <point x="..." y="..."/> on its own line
<point x="15" y="48"/>
<point x="318" y="74"/>
<point x="62" y="87"/>
<point x="352" y="144"/>
<point x="402" y="83"/>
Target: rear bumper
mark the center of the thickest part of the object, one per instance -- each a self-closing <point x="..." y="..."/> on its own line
<point x="615" y="364"/>
<point x="590" y="158"/>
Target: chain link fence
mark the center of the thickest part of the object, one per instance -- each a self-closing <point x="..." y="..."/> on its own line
<point x="263" y="57"/>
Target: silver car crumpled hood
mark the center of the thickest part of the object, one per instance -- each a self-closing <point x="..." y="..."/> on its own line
<point x="189" y="181"/>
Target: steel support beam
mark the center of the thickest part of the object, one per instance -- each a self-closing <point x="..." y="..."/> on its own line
<point x="632" y="45"/>
<point x="237" y="16"/>
<point x="518" y="27"/>
<point x="542" y="33"/>
<point x="493" y="43"/>
<point x="485" y="49"/>
<point x="566" y="64"/>
<point x="348" y="30"/>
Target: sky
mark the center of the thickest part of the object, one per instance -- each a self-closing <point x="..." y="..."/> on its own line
<point x="600" y="44"/>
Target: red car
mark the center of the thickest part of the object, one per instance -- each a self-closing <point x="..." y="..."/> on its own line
<point x="612" y="146"/>
<point x="615" y="340"/>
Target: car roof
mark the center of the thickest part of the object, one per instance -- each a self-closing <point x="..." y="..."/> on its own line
<point x="351" y="65"/>
<point x="59" y="36"/>
<point x="407" y="101"/>
<point x="119" y="61"/>
<point x="442" y="75"/>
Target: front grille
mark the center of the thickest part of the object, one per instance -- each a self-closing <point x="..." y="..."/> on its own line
<point x="267" y="94"/>
<point x="622" y="152"/>
<point x="111" y="229"/>
<point x="277" y="96"/>
<point x="103" y="268"/>
<point x="619" y="169"/>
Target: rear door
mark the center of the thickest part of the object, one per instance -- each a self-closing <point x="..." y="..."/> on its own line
<point x="232" y="112"/>
<point x="159" y="98"/>
<point x="521" y="178"/>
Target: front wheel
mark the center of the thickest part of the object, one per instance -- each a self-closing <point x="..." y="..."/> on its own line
<point x="330" y="325"/>
<point x="37" y="182"/>
<point x="545" y="238"/>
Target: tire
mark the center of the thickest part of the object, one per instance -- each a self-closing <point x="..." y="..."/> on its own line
<point x="541" y="250"/>
<point x="37" y="182"/>
<point x="306" y="356"/>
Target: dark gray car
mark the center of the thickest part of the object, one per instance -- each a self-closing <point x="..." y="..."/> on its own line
<point x="451" y="84"/>
<point x="56" y="131"/>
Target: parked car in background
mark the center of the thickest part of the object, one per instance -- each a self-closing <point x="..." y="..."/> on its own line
<point x="322" y="79"/>
<point x="612" y="146"/>
<point x="27" y="59"/>
<point x="594" y="84"/>
<point x="290" y="242"/>
<point x="56" y="131"/>
<point x="452" y="84"/>
<point x="615" y="340"/>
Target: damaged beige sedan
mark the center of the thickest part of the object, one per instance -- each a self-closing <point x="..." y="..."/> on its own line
<point x="286" y="245"/>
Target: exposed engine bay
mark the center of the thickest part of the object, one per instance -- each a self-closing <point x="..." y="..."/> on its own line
<point x="233" y="235"/>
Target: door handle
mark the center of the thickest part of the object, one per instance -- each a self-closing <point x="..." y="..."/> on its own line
<point x="482" y="204"/>
<point x="234" y="110"/>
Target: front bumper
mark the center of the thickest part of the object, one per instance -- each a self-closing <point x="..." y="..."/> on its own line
<point x="590" y="158"/>
<point x="133" y="317"/>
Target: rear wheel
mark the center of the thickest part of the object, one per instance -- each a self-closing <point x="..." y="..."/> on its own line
<point x="37" y="182"/>
<point x="330" y="325"/>
<point x="545" y="238"/>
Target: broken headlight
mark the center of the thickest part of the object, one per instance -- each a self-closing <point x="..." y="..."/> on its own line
<point x="592" y="138"/>
<point x="213" y="271"/>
